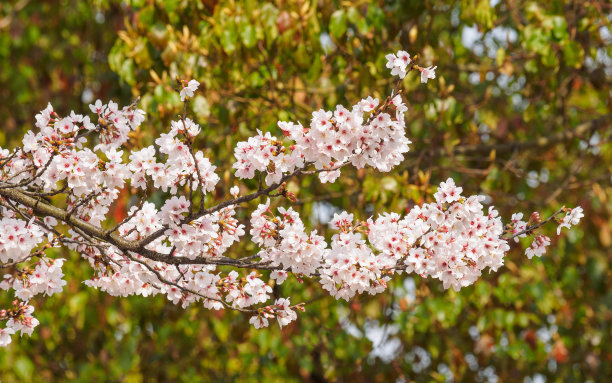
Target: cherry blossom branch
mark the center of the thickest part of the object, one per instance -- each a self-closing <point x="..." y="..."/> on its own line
<point x="139" y="205"/>
<point x="48" y="194"/>
<point x="183" y="288"/>
<point x="178" y="246"/>
<point x="234" y="201"/>
<point x="6" y="160"/>
<point x="531" y="228"/>
<point x="27" y="181"/>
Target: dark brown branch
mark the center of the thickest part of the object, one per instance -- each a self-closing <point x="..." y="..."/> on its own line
<point x="183" y="288"/>
<point x="7" y="185"/>
<point x="532" y="228"/>
<point x="43" y="208"/>
<point x="222" y="205"/>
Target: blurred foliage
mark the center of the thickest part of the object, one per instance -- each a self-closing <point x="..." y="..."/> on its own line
<point x="54" y="51"/>
<point x="514" y="73"/>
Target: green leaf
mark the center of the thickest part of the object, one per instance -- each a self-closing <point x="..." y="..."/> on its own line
<point x="353" y="15"/>
<point x="248" y="36"/>
<point x="24" y="368"/>
<point x="559" y="28"/>
<point x="269" y="14"/>
<point x="485" y="14"/>
<point x="501" y="56"/>
<point x="376" y="16"/>
<point x="573" y="54"/>
<point x="338" y="23"/>
<point x="389" y="184"/>
<point x="228" y="40"/>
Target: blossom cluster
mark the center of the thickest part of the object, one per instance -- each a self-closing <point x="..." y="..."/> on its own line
<point x="452" y="240"/>
<point x="538" y="246"/>
<point x="367" y="134"/>
<point x="57" y="148"/>
<point x="398" y="63"/>
<point x="282" y="310"/>
<point x="45" y="278"/>
<point x="18" y="319"/>
<point x="183" y="285"/>
<point x="284" y="241"/>
<point x="183" y="166"/>
<point x="18" y="238"/>
<point x="570" y="219"/>
<point x="208" y="236"/>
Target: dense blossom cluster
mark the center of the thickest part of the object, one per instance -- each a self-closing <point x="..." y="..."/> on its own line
<point x="56" y="152"/>
<point x="284" y="241"/>
<point x="182" y="165"/>
<point x="206" y="236"/>
<point x="177" y="247"/>
<point x="452" y="240"/>
<point x="17" y="237"/>
<point x="367" y="134"/>
<point x="45" y="278"/>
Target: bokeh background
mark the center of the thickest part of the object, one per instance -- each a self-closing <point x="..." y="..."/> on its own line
<point x="520" y="111"/>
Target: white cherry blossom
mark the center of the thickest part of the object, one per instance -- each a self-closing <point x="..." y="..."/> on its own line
<point x="188" y="91"/>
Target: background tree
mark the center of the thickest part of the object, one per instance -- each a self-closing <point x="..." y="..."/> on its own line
<point x="521" y="108"/>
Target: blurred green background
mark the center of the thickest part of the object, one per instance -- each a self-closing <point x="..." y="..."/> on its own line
<point x="519" y="111"/>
